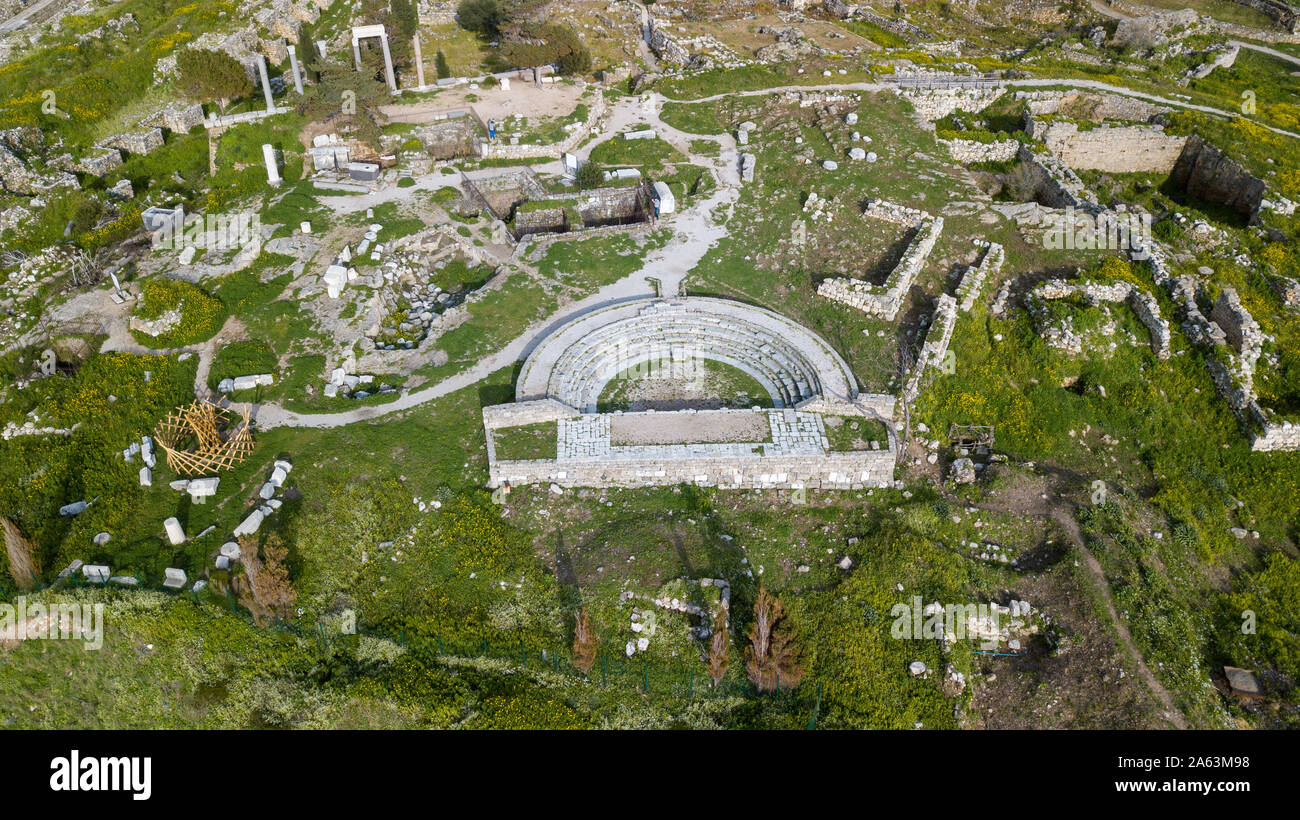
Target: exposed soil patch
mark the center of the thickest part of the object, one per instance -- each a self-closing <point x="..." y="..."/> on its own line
<point x="653" y="428"/>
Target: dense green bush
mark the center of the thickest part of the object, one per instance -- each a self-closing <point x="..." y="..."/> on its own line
<point x="201" y="314"/>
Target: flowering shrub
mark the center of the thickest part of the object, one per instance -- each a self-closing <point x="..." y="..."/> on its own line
<point x="201" y="314"/>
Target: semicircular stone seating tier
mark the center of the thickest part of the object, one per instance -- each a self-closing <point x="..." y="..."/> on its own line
<point x="575" y="363"/>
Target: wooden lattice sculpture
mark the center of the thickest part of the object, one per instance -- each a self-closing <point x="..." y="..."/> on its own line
<point x="193" y="439"/>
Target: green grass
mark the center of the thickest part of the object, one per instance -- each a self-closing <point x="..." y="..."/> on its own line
<point x="849" y="434"/>
<point x="693" y="118"/>
<point x="246" y="358"/>
<point x="876" y="34"/>
<point x="647" y="154"/>
<point x="528" y="442"/>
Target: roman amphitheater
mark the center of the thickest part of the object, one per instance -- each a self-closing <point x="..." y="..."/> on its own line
<point x="784" y="446"/>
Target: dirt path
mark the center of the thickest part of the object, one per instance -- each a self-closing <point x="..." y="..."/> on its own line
<point x="1061" y="512"/>
<point x="1065" y="519"/>
<point x="695" y="230"/>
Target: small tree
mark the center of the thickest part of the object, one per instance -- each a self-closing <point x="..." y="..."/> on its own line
<point x="307" y="55"/>
<point x="265" y="590"/>
<point x="716" y="660"/>
<point x="24" y="566"/>
<point x="209" y="76"/>
<point x="771" y="659"/>
<point x="480" y="16"/>
<point x="404" y="18"/>
<point x="590" y="175"/>
<point x="585" y="644"/>
<point x="441" y="66"/>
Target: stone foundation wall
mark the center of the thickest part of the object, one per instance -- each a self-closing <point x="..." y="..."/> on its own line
<point x="970" y="151"/>
<point x="554" y="150"/>
<point x="1284" y="14"/>
<point x="1232" y="374"/>
<point x="1288" y="290"/>
<point x="1144" y="305"/>
<point x="833" y="471"/>
<point x="885" y="301"/>
<point x="667" y="48"/>
<point x="453" y="137"/>
<point x="935" y="347"/>
<point x="1116" y="150"/>
<point x="541" y="220"/>
<point x="601" y="205"/>
<point x="880" y="405"/>
<point x="968" y="290"/>
<point x="1239" y="327"/>
<point x="1278" y="436"/>
<point x="138" y="142"/>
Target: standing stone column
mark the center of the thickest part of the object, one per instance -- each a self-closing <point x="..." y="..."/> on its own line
<point x="293" y="66"/>
<point x="356" y="53"/>
<point x="388" y="63"/>
<point x="266" y="84"/>
<point x="320" y="48"/>
<point x="419" y="62"/>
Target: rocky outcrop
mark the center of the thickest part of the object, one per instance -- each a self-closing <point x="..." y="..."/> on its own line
<point x="1205" y="172"/>
<point x="1155" y="28"/>
<point x="667" y="48"/>
<point x="1220" y="57"/>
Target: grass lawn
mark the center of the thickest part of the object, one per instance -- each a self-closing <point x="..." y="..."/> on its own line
<point x="528" y="442"/>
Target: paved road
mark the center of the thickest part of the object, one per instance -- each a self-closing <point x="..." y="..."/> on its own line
<point x="1272" y="52"/>
<point x="21" y="18"/>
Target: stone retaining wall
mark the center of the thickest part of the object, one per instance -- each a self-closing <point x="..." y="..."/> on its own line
<point x="935" y="347"/>
<point x="1056" y="186"/>
<point x="833" y="471"/>
<point x="1115" y="150"/>
<point x="971" y="151"/>
<point x="1098" y="106"/>
<point x="489" y="150"/>
<point x="932" y="104"/>
<point x="885" y="301"/>
<point x="1144" y="305"/>
<point x="526" y="412"/>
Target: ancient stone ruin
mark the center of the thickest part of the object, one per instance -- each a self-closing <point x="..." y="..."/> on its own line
<point x="784" y="447"/>
<point x="885" y="301"/>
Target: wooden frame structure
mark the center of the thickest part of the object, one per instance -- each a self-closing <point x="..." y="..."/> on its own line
<point x="193" y="439"/>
